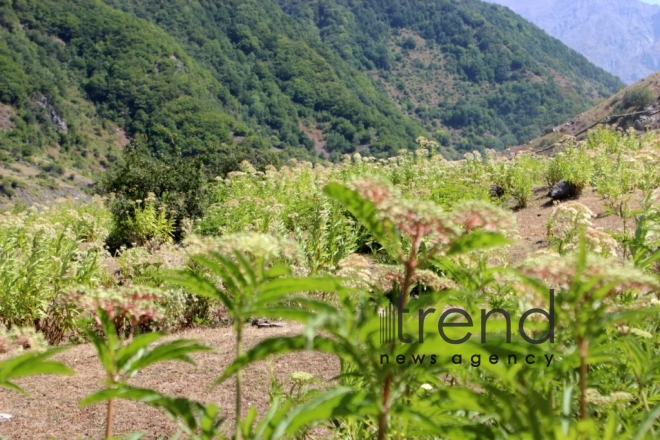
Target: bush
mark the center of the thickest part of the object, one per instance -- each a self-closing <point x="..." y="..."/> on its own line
<point x="638" y="98"/>
<point x="573" y="165"/>
<point x="408" y="43"/>
<point x="175" y="186"/>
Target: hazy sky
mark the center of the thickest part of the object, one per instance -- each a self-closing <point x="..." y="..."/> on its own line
<point x="653" y="2"/>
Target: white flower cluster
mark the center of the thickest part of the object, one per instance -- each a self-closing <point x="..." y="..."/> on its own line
<point x="567" y="220"/>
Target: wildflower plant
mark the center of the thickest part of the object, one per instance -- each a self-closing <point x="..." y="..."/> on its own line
<point x="573" y="165"/>
<point x="332" y="246"/>
<point x="122" y="361"/>
<point x="589" y="294"/>
<point x="42" y="254"/>
<point x="567" y="222"/>
<point x="412" y="233"/>
<point x="249" y="282"/>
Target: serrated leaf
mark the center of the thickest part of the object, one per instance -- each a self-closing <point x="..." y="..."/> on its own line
<point x="30" y="364"/>
<point x="363" y="210"/>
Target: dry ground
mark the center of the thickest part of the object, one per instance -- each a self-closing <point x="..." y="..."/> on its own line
<point x="51" y="409"/>
<point x="532" y="220"/>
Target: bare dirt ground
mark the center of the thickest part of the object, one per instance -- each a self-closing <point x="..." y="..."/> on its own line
<point x="51" y="409"/>
<point x="532" y="220"/>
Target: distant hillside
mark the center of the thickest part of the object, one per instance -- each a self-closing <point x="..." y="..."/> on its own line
<point x="621" y="36"/>
<point x="262" y="80"/>
<point x="635" y="107"/>
<point x="474" y="70"/>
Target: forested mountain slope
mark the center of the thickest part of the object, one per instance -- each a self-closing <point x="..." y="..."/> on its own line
<point x="478" y="69"/>
<point x="263" y="80"/>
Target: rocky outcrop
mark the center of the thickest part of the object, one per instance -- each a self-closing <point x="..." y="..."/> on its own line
<point x="60" y="124"/>
<point x="621" y="36"/>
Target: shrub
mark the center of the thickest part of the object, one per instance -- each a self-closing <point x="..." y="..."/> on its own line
<point x="567" y="222"/>
<point x="519" y="178"/>
<point x="638" y="97"/>
<point x="573" y="165"/>
<point x="408" y="43"/>
<point x="175" y="186"/>
<point x="40" y="258"/>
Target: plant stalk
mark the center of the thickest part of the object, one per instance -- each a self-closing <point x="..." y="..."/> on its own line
<point x="108" y="419"/>
<point x="583" y="346"/>
<point x="382" y="418"/>
<point x="239" y="380"/>
<point x="410" y="266"/>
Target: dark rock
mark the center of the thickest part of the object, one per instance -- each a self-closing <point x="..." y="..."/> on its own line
<point x="562" y="190"/>
<point x="262" y="323"/>
<point x="496" y="191"/>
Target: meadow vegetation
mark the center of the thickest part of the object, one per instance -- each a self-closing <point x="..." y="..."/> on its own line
<point x="329" y="246"/>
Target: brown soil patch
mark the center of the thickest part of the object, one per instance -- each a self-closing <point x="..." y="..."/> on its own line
<point x="317" y="136"/>
<point x="121" y="139"/>
<point x="532" y="220"/>
<point x="51" y="409"/>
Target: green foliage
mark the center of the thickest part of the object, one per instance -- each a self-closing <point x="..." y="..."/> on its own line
<point x="638" y="98"/>
<point x="150" y="224"/>
<point x="30" y="364"/>
<point x="279" y="74"/>
<point x="354" y="244"/>
<point x="259" y="80"/>
<point x="41" y="257"/>
<point x="643" y="245"/>
<point x="195" y="420"/>
<point x="330" y="238"/>
<point x="153" y="197"/>
<point x="254" y="288"/>
<point x="478" y="69"/>
<point x="518" y="179"/>
<point x="122" y="361"/>
<point x="573" y="165"/>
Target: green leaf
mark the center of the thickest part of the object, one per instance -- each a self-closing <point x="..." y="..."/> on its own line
<point x="140" y="342"/>
<point x="176" y="408"/>
<point x="647" y="424"/>
<point x="477" y="240"/>
<point x="103" y="352"/>
<point x="278" y="270"/>
<point x="337" y="402"/>
<point x="30" y="364"/>
<point x="199" y="286"/>
<point x="647" y="262"/>
<point x="178" y="350"/>
<point x="363" y="210"/>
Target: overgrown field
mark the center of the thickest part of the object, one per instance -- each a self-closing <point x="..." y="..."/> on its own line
<point x="331" y="247"/>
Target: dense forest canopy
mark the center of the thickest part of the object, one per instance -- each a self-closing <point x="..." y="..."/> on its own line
<point x="228" y="80"/>
<point x="475" y="68"/>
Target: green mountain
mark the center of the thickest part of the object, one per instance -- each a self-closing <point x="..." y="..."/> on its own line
<point x="265" y="80"/>
<point x="475" y="69"/>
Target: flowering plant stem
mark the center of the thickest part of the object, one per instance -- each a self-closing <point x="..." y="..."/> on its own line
<point x="410" y="265"/>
